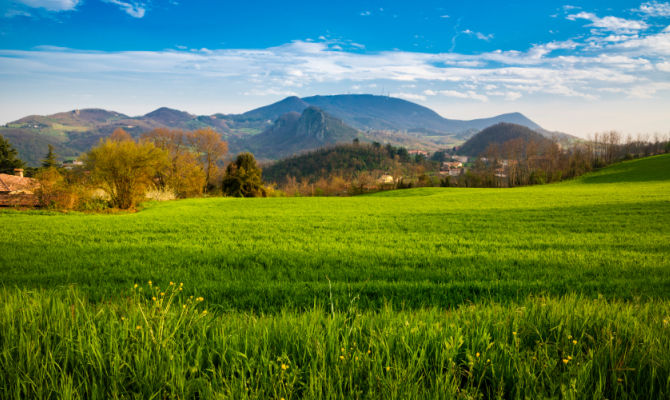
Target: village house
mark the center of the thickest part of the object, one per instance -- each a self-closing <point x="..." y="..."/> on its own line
<point x="386" y="179"/>
<point x="17" y="190"/>
<point x="71" y="164"/>
<point x="447" y="165"/>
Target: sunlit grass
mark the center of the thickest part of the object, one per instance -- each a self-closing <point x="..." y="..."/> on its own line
<point x="57" y="344"/>
<point x="413" y="248"/>
<point x="555" y="291"/>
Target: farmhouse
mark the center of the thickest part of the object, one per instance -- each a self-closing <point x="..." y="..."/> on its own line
<point x="386" y="179"/>
<point x="17" y="190"/>
<point x="451" y="165"/>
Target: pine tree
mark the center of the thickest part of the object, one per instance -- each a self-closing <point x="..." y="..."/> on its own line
<point x="50" y="161"/>
<point x="9" y="159"/>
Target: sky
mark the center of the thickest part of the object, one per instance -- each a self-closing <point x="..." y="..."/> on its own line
<point x="578" y="67"/>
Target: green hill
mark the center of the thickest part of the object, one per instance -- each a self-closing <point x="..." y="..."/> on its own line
<point x="344" y="160"/>
<point x="497" y="135"/>
<point x="648" y="169"/>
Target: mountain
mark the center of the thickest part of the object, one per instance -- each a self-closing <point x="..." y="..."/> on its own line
<point x="273" y="111"/>
<point x="169" y="117"/>
<point x="296" y="132"/>
<point x="366" y="111"/>
<point x="380" y="118"/>
<point x="498" y="134"/>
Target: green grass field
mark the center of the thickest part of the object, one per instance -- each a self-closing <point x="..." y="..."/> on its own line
<point x="605" y="233"/>
<point x="554" y="291"/>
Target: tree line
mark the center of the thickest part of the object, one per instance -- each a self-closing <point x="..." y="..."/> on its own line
<point x="172" y="163"/>
<point x="520" y="162"/>
<point x="121" y="171"/>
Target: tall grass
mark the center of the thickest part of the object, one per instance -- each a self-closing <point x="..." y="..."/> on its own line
<point x="56" y="344"/>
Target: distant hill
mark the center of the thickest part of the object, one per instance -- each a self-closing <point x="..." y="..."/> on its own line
<point x="499" y="134"/>
<point x="293" y="132"/>
<point x="344" y="160"/>
<point x="378" y="118"/>
<point x="366" y="111"/>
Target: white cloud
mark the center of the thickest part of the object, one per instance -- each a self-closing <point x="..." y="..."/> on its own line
<point x="270" y="92"/>
<point x="663" y="66"/>
<point x="478" y="35"/>
<point x="134" y="9"/>
<point x="51" y="5"/>
<point x="409" y="96"/>
<point x="649" y="90"/>
<point x="459" y="94"/>
<point x="626" y="66"/>
<point x="365" y="13"/>
<point x="610" y="23"/>
<point x="655" y="9"/>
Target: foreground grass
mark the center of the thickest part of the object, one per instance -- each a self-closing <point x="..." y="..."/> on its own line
<point x="56" y="344"/>
<point x="604" y="234"/>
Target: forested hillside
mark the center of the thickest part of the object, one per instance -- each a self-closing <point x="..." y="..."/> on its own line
<point x="344" y="160"/>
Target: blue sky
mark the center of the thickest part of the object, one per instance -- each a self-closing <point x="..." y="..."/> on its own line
<point x="579" y="67"/>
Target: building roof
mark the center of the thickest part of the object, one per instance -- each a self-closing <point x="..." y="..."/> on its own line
<point x="17" y="184"/>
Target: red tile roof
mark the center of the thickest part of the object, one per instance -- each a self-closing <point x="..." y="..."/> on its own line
<point x="13" y="183"/>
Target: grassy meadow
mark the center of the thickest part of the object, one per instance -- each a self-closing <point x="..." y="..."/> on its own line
<point x="559" y="291"/>
<point x="604" y="234"/>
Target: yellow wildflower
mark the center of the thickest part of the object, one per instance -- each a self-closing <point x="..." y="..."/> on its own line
<point x="204" y="312"/>
<point x="514" y="333"/>
<point x="184" y="306"/>
<point x="181" y="284"/>
<point x="565" y="361"/>
<point x="150" y="283"/>
<point x="574" y="342"/>
<point x="388" y="369"/>
<point x="369" y="351"/>
<point x="341" y="357"/>
<point x="171" y="283"/>
<point x="135" y="287"/>
<point x="153" y="298"/>
<point x="477" y="354"/>
<point x="138" y="327"/>
<point x="162" y="293"/>
<point x="569" y="357"/>
<point x="342" y="349"/>
<point x="200" y="299"/>
<point x="284" y="367"/>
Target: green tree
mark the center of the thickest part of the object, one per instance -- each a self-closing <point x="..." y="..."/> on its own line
<point x="125" y="169"/>
<point x="9" y="158"/>
<point x="243" y="177"/>
<point x="50" y="161"/>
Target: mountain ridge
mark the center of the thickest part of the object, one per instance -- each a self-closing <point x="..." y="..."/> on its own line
<point x="378" y="118"/>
